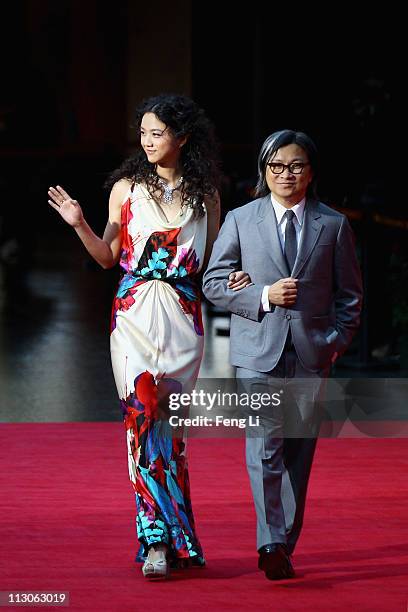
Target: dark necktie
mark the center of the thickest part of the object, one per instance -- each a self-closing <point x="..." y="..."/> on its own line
<point x="290" y="240"/>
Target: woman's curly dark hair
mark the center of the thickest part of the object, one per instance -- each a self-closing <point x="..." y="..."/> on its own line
<point x="199" y="155"/>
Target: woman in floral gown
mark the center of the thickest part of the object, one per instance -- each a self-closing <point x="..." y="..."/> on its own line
<point x="163" y="219"/>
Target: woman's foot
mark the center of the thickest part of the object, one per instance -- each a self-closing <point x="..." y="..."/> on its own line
<point x="156" y="567"/>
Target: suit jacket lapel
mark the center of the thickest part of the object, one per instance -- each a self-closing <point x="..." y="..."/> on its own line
<point x="268" y="230"/>
<point x="310" y="234"/>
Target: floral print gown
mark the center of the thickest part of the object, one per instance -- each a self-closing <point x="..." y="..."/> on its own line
<point x="156" y="349"/>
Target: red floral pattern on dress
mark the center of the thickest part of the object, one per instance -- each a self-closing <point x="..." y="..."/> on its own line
<point x="181" y="276"/>
<point x="126" y="254"/>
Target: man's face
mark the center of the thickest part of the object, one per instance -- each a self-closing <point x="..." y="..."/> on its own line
<point x="290" y="186"/>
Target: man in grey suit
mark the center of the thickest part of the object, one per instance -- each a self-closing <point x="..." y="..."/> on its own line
<point x="287" y="327"/>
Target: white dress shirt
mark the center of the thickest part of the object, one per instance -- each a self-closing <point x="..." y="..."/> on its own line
<point x="281" y="221"/>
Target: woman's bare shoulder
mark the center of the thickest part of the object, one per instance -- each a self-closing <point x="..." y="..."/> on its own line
<point x="212" y="202"/>
<point x="119" y="191"/>
<point x="121" y="186"/>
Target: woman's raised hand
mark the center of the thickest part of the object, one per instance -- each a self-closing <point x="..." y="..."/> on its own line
<point x="68" y="208"/>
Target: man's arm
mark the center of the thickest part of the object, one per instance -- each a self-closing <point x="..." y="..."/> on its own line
<point x="348" y="286"/>
<point x="226" y="258"/>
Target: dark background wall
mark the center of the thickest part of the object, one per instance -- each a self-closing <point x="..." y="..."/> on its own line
<point x="73" y="72"/>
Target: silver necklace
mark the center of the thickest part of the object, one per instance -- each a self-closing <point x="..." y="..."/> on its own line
<point x="167" y="197"/>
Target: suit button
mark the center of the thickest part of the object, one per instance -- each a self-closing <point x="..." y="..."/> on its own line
<point x="288" y="317"/>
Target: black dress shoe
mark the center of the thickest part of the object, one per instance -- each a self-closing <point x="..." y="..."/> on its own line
<point x="275" y="562"/>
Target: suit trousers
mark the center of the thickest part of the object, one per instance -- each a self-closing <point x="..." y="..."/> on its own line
<point x="280" y="450"/>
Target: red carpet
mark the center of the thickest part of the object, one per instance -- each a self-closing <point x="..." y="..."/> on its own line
<point x="67" y="524"/>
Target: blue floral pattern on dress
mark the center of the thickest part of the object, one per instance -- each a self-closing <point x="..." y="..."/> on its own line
<point x="155" y="264"/>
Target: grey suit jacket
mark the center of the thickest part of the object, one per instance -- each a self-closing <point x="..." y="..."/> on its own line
<point x="327" y="310"/>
